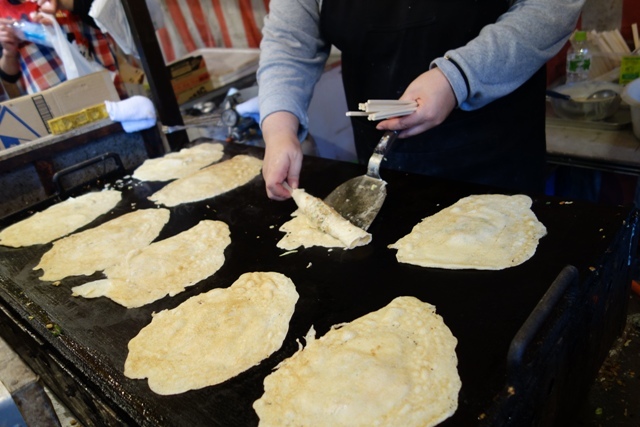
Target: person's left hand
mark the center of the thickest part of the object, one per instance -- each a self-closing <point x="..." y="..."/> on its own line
<point x="8" y="38"/>
<point x="435" y="98"/>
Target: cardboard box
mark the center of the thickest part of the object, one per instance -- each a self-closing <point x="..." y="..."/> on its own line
<point x="193" y="85"/>
<point x="183" y="67"/>
<point x="190" y="78"/>
<point x="210" y="68"/>
<point x="26" y="118"/>
<point x="227" y="65"/>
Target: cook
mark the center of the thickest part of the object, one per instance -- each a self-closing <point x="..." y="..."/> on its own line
<point x="474" y="67"/>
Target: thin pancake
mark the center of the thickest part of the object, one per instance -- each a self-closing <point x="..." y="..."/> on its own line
<point x="59" y="219"/>
<point x="179" y="164"/>
<point x="213" y="336"/>
<point x="396" y="366"/>
<point x="163" y="268"/>
<point x="484" y="232"/>
<point x="95" y="249"/>
<point x="210" y="181"/>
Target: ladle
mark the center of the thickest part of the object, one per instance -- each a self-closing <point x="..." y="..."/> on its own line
<point x="558" y="95"/>
<point x="597" y="95"/>
<point x="603" y="94"/>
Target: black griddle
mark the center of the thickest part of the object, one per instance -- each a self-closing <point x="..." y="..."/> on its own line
<point x="581" y="268"/>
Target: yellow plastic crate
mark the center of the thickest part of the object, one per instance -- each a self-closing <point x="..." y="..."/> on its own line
<point x="62" y="124"/>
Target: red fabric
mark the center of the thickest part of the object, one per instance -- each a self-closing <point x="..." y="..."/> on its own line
<point x="223" y="25"/>
<point x="197" y="24"/>
<point x="17" y="11"/>
<point x="202" y="25"/>
<point x="167" y="46"/>
<point x="181" y="24"/>
<point x="251" y="28"/>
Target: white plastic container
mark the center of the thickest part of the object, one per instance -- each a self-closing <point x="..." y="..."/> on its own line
<point x="631" y="95"/>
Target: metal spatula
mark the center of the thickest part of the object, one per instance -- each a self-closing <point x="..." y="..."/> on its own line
<point x="359" y="199"/>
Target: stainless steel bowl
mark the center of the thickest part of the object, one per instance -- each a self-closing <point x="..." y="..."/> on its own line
<point x="580" y="107"/>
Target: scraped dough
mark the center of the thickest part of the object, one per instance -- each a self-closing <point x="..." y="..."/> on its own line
<point x="179" y="164"/>
<point x="317" y="224"/>
<point x="213" y="336"/>
<point x="97" y="248"/>
<point x="210" y="181"/>
<point x="163" y="268"/>
<point x="59" y="219"/>
<point x="484" y="232"/>
<point x="396" y="366"/>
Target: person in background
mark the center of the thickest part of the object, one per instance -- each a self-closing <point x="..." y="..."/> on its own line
<point x="34" y="67"/>
<point x="474" y="67"/>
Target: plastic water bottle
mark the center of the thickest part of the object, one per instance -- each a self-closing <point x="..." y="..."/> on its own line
<point x="31" y="32"/>
<point x="578" y="58"/>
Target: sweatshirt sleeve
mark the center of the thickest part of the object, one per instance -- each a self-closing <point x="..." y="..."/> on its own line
<point x="292" y="58"/>
<point x="507" y="53"/>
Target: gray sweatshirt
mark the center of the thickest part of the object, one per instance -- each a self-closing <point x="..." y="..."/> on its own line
<point x="503" y="56"/>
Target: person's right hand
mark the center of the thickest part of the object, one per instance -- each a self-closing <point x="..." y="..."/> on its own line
<point x="47" y="6"/>
<point x="283" y="154"/>
<point x="8" y="38"/>
<point x="435" y="98"/>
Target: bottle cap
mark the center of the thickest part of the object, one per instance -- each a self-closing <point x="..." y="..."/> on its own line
<point x="580" y="36"/>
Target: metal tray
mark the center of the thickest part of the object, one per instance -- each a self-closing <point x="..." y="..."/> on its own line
<point x="619" y="121"/>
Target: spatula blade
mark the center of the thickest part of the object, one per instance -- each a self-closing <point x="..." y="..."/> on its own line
<point x="359" y="199"/>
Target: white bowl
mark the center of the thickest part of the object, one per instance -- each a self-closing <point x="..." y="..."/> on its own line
<point x="631" y="95"/>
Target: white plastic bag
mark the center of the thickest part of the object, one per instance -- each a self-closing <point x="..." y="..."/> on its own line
<point x="75" y="64"/>
<point x="111" y="18"/>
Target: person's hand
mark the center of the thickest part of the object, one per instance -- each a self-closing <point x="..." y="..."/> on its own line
<point x="8" y="38"/>
<point x="283" y="154"/>
<point x="10" y="61"/>
<point x="46" y="8"/>
<point x="435" y="98"/>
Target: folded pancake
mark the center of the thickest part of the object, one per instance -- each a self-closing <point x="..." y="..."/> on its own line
<point x="324" y="218"/>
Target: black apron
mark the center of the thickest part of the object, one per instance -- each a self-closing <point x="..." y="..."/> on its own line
<point x="386" y="44"/>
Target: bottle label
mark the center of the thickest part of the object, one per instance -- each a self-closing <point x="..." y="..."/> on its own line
<point x="576" y="65"/>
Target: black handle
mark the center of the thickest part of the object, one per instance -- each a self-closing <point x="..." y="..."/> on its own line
<point x="557" y="95"/>
<point x="84" y="164"/>
<point x="560" y="289"/>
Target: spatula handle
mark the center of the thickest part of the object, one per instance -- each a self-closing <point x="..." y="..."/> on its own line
<point x="383" y="147"/>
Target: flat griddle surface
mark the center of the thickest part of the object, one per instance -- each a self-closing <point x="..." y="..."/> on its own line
<point x="484" y="309"/>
